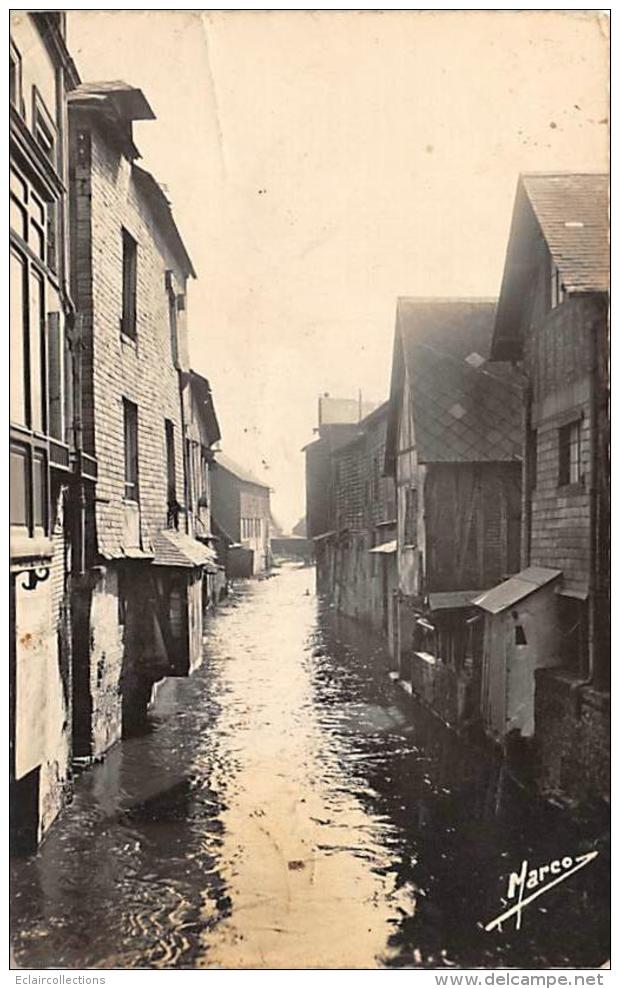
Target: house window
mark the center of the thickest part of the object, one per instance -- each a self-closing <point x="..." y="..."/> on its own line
<point x="532" y="458"/>
<point x="43" y="128"/>
<point x="130" y="264"/>
<point x="570" y="454"/>
<point x="411" y="521"/>
<point x="130" y="427"/>
<point x="557" y="290"/>
<point x="28" y="395"/>
<point x="28" y="489"/>
<point x="15" y="78"/>
<point x="170" y="463"/>
<point x="203" y="500"/>
<point x="172" y="317"/>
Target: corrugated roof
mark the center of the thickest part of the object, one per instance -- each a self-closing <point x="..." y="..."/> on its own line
<point x="178" y="549"/>
<point x="510" y="591"/>
<point x="239" y="472"/>
<point x="573" y="213"/>
<point x="464" y="410"/>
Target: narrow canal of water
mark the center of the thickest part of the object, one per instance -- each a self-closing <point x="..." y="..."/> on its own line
<point x="290" y="807"/>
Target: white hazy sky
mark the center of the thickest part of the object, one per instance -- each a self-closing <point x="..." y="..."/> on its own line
<point x="322" y="164"/>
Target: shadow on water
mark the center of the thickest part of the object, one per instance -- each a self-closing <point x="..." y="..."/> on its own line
<point x="465" y="824"/>
<point x="291" y="806"/>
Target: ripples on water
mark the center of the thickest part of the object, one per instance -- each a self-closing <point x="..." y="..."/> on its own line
<point x="289" y="807"/>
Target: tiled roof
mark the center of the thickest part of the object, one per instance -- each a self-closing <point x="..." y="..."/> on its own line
<point x="177" y="549"/>
<point x="465" y="410"/>
<point x="573" y="213"/>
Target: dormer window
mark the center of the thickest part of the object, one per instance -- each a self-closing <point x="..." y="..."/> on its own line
<point x="558" y="292"/>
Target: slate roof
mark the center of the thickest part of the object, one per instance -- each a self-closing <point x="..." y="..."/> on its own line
<point x="237" y="471"/>
<point x="178" y="549"/>
<point x="573" y="212"/>
<point x="464" y="409"/>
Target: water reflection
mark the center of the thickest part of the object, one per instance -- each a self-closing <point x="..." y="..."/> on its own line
<point x="291" y="808"/>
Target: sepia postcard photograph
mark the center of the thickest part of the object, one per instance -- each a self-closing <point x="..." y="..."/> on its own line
<point x="309" y="591"/>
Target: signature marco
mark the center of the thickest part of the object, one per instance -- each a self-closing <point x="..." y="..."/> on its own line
<point x="519" y="883"/>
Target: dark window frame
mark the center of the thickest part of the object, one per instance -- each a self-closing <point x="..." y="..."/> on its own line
<point x="570" y="469"/>
<point x="171" y="474"/>
<point x="44" y="129"/>
<point x="130" y="445"/>
<point x="31" y="436"/>
<point x="129" y="292"/>
<point x="15" y="61"/>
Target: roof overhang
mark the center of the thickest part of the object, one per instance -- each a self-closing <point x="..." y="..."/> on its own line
<point x="515" y="589"/>
<point x="178" y="549"/>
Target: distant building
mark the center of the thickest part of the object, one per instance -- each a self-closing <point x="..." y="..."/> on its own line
<point x="547" y="645"/>
<point x="202" y="433"/>
<point x="337" y="418"/>
<point x="454" y="451"/>
<point x="356" y="557"/>
<point x="242" y="515"/>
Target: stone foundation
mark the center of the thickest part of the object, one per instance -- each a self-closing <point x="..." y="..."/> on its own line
<point x="572" y="738"/>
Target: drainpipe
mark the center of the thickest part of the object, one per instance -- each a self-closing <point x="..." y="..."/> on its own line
<point x="79" y="530"/>
<point x="184" y="451"/>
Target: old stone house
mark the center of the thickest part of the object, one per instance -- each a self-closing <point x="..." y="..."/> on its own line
<point x="547" y="643"/>
<point x="138" y="606"/>
<point x="46" y="469"/>
<point x="453" y="448"/>
<point x="356" y="560"/>
<point x="242" y="517"/>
